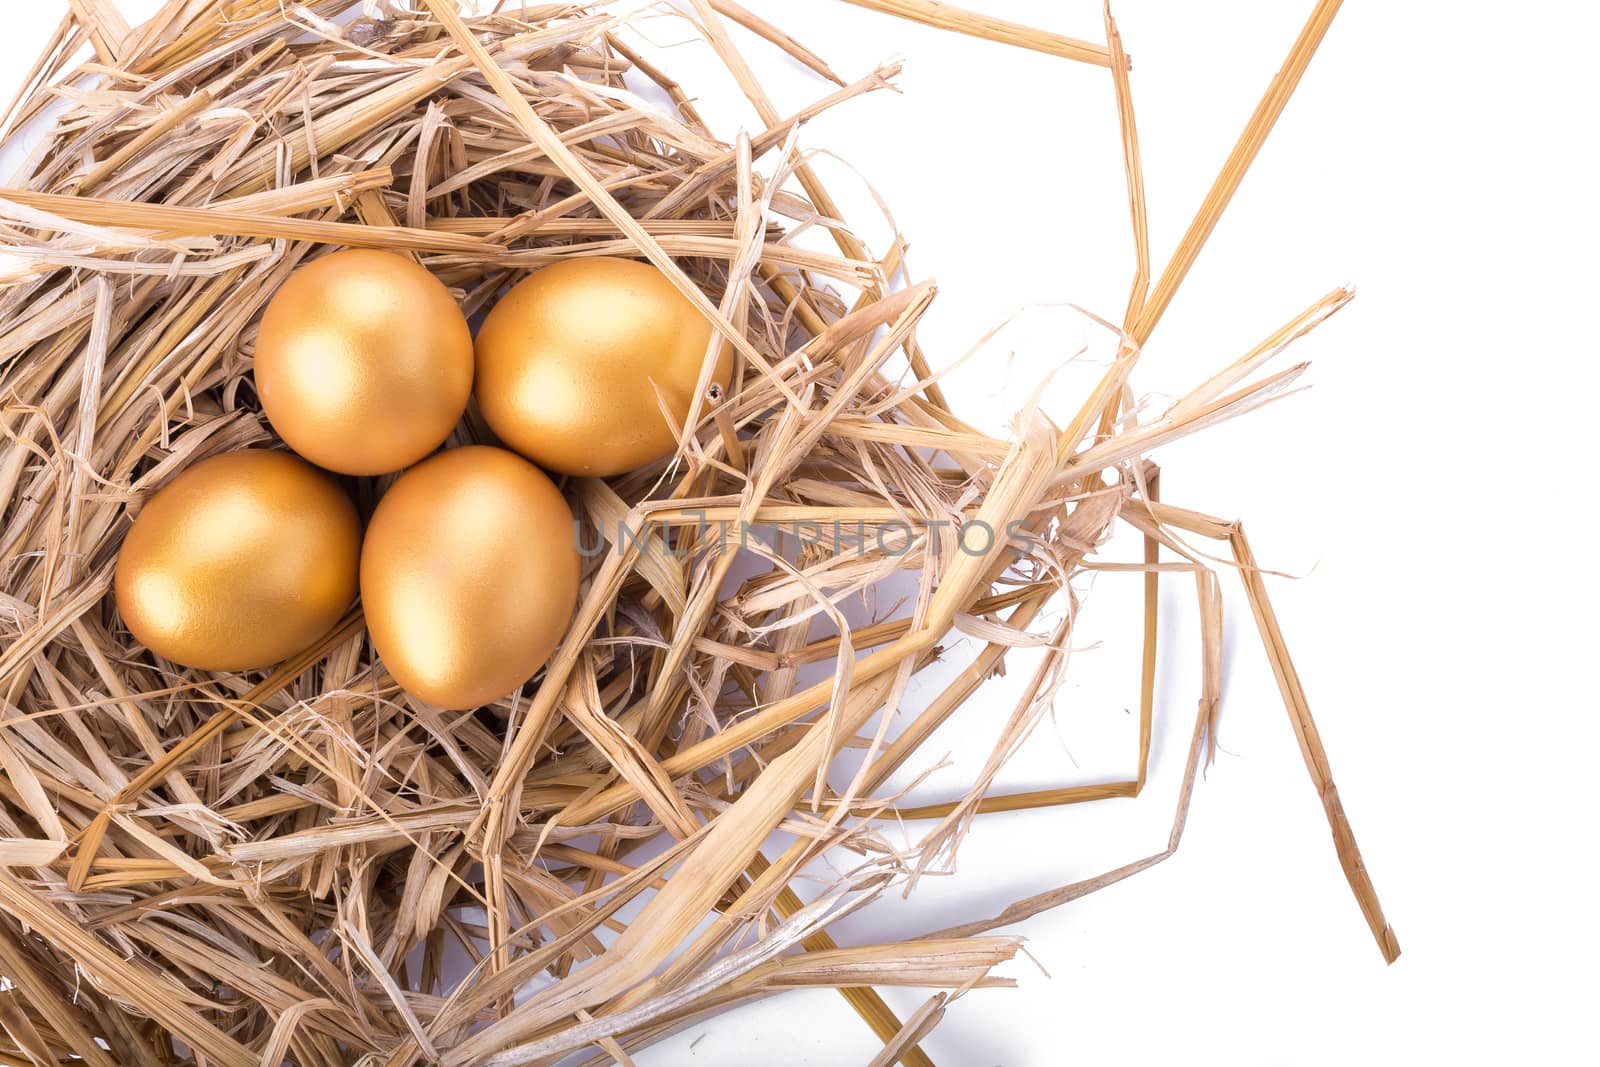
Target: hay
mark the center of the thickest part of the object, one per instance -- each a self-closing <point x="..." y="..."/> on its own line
<point x="306" y="866"/>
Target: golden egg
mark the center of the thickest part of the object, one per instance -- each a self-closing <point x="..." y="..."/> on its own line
<point x="241" y="561"/>
<point x="363" y="362"/>
<point x="469" y="573"/>
<point x="575" y="361"/>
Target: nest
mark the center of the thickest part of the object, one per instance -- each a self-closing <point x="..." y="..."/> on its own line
<point x="304" y="865"/>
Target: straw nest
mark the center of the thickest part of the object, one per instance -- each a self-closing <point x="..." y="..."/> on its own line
<point x="305" y="866"/>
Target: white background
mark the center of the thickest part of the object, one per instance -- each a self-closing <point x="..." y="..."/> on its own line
<point x="1432" y="488"/>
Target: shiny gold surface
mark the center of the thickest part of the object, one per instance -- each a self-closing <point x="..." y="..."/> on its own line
<point x="242" y="560"/>
<point x="469" y="574"/>
<point x="570" y="361"/>
<point x="364" y="362"/>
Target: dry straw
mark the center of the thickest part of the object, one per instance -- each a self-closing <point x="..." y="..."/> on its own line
<point x="304" y="865"/>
